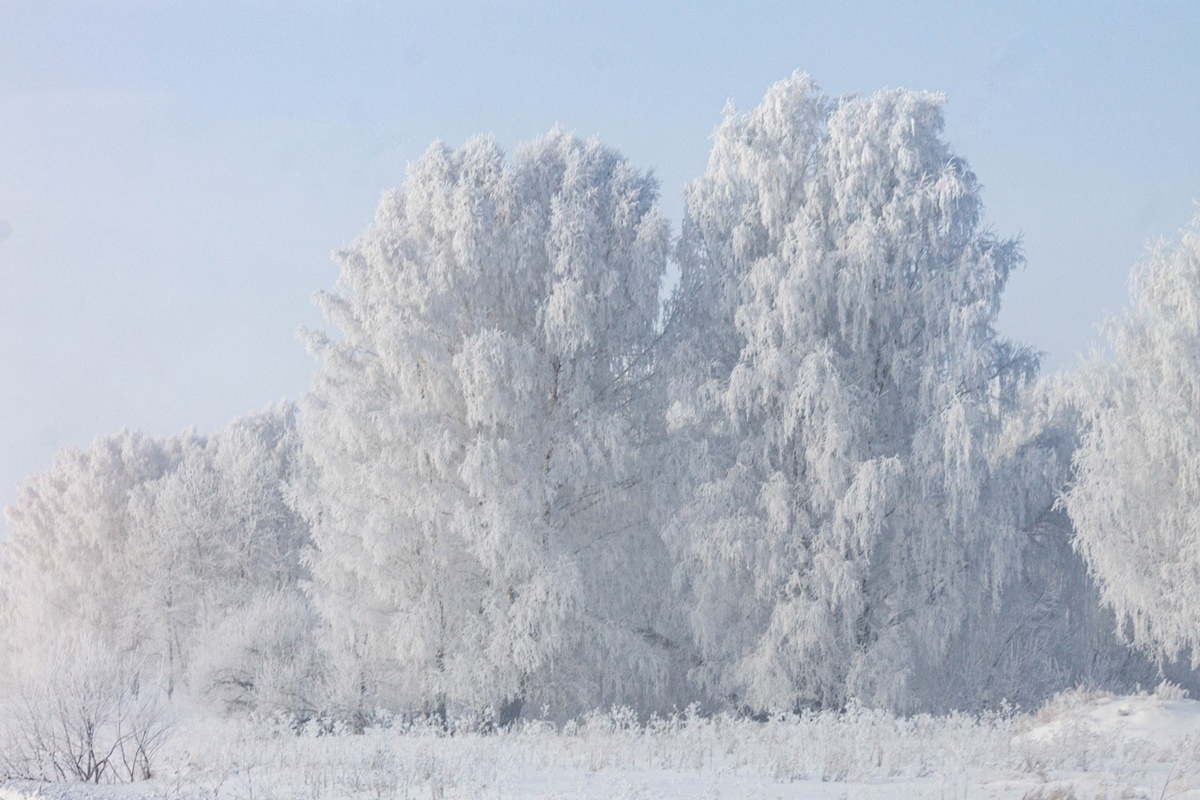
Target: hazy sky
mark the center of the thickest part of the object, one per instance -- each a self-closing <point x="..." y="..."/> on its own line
<point x="174" y="176"/>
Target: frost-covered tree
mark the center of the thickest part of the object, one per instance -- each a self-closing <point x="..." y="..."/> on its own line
<point x="1049" y="629"/>
<point x="213" y="534"/>
<point x="64" y="567"/>
<point x="476" y="495"/>
<point x="1135" y="502"/>
<point x="838" y="385"/>
<point x="140" y="543"/>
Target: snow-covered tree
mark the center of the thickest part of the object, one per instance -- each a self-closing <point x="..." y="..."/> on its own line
<point x="139" y="543"/>
<point x="838" y="385"/>
<point x="213" y="534"/>
<point x="476" y="495"/>
<point x="1135" y="502"/>
<point x="64" y="567"/>
<point x="1049" y="629"/>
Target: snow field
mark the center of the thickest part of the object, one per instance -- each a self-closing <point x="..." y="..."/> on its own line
<point x="1080" y="745"/>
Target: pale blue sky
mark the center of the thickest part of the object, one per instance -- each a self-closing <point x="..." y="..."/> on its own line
<point x="173" y="176"/>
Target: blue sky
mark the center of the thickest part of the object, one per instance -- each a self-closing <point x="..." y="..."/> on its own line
<point x="174" y="176"/>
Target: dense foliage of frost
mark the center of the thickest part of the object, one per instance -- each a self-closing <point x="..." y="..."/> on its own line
<point x="69" y="533"/>
<point x="141" y="544"/>
<point x="213" y="534"/>
<point x="839" y="371"/>
<point x="1135" y="501"/>
<point x="476" y="495"/>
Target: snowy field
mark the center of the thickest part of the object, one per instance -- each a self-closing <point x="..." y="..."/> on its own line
<point x="1078" y="746"/>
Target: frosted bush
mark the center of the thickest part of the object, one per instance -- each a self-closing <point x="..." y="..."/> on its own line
<point x="89" y="716"/>
<point x="262" y="658"/>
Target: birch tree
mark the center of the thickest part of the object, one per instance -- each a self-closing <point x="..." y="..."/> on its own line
<point x="1049" y="629"/>
<point x="139" y="544"/>
<point x="214" y="534"/>
<point x="64" y="565"/>
<point x="1135" y="502"/>
<point x="839" y="380"/>
<point x="473" y="433"/>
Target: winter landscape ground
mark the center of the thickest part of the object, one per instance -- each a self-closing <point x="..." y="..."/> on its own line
<point x="1080" y="745"/>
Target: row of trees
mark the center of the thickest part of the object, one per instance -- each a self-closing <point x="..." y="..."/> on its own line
<point x="816" y="475"/>
<point x="165" y="548"/>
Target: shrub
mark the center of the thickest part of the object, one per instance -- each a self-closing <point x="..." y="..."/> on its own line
<point x="89" y="715"/>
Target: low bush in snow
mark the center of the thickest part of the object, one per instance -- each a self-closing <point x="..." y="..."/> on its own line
<point x="89" y="716"/>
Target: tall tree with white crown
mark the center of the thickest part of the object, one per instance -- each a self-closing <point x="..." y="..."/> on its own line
<point x="475" y="491"/>
<point x="839" y="379"/>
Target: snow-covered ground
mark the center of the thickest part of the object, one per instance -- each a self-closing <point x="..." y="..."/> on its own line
<point x="1078" y="746"/>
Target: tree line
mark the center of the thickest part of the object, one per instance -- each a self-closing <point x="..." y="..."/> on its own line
<point x="520" y="484"/>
